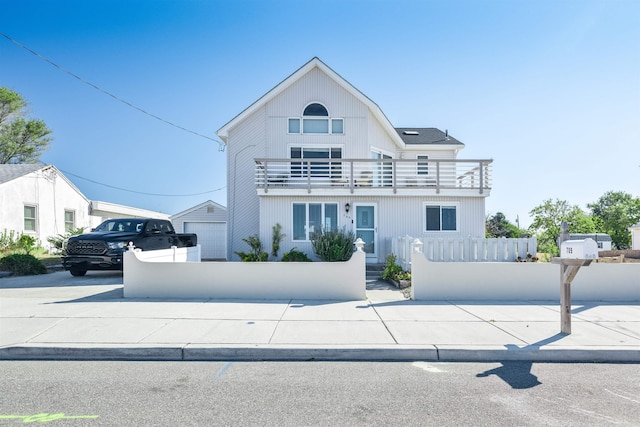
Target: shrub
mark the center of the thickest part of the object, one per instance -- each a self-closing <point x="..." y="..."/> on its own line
<point x="58" y="240"/>
<point x="256" y="254"/>
<point x="276" y="239"/>
<point x="294" y="255"/>
<point x="403" y="275"/>
<point x="8" y="240"/>
<point x="333" y="245"/>
<point x="391" y="269"/>
<point x="22" y="265"/>
<point x="26" y="243"/>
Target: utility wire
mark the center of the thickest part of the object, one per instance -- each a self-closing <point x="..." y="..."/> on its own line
<point x="140" y="192"/>
<point x="221" y="145"/>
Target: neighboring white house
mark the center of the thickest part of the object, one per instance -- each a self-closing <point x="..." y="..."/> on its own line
<point x="105" y="210"/>
<point x="209" y="221"/>
<point x="635" y="236"/>
<point x="603" y="240"/>
<point x="315" y="152"/>
<point x="39" y="201"/>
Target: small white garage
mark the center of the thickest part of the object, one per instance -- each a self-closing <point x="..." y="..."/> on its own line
<point x="209" y="221"/>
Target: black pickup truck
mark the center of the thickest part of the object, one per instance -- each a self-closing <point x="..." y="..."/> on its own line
<point x="102" y="248"/>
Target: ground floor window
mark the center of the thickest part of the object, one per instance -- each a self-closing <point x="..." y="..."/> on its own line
<point x="30" y="218"/>
<point x="311" y="217"/>
<point x="440" y="217"/>
<point x="69" y="221"/>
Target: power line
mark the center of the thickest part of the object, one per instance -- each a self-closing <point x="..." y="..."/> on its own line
<point x="221" y="145"/>
<point x="140" y="192"/>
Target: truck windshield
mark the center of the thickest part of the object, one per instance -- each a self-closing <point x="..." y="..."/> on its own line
<point x="129" y="225"/>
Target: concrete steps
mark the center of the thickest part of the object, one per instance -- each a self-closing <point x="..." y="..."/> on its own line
<point x="374" y="271"/>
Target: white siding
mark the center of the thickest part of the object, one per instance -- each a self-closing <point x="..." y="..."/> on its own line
<point x="396" y="216"/>
<point x="246" y="142"/>
<point x="264" y="134"/>
<point x="379" y="139"/>
<point x="316" y="87"/>
<point x="52" y="195"/>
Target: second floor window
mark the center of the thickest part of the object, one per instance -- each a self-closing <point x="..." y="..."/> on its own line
<point x="423" y="165"/>
<point x="315" y="120"/>
<point x="317" y="169"/>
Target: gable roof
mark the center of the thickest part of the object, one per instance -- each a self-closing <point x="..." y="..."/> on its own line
<point x="598" y="237"/>
<point x="196" y="207"/>
<point x="315" y="62"/>
<point x="426" y="136"/>
<point x="9" y="172"/>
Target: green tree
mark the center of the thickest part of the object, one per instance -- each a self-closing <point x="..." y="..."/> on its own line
<point x="615" y="212"/>
<point x="547" y="219"/>
<point x="22" y="140"/>
<point x="498" y="226"/>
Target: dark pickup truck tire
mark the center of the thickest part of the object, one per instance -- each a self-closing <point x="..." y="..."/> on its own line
<point x="77" y="273"/>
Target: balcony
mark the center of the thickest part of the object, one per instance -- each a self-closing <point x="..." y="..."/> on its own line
<point x="373" y="176"/>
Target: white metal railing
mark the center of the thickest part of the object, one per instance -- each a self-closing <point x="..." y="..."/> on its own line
<point x="353" y="174"/>
<point x="469" y="249"/>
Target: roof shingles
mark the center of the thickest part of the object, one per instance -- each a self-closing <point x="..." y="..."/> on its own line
<point x="426" y="136"/>
<point x="9" y="172"/>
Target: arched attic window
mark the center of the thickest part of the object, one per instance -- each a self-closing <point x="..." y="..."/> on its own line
<point x="315" y="109"/>
<point x="315" y="120"/>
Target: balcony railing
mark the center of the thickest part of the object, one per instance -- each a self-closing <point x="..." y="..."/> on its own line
<point x="390" y="174"/>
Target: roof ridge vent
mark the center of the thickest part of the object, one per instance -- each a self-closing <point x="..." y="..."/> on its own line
<point x="411" y="132"/>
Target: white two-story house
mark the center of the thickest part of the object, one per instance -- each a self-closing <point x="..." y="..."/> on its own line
<point x="315" y="152"/>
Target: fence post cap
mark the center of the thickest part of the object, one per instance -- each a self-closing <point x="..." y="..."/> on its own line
<point x="359" y="244"/>
<point x="417" y="245"/>
<point x="131" y="246"/>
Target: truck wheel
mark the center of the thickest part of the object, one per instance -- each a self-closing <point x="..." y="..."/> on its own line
<point x="78" y="273"/>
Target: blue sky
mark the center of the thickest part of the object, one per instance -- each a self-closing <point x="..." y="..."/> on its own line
<point x="549" y="89"/>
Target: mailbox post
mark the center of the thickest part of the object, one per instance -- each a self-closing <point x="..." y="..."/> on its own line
<point x="573" y="255"/>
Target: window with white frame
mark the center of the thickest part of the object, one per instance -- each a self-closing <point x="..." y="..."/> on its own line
<point x="69" y="220"/>
<point x="423" y="166"/>
<point x="311" y="217"/>
<point x="30" y="218"/>
<point x="315" y="120"/>
<point x="440" y="217"/>
<point x="316" y="169"/>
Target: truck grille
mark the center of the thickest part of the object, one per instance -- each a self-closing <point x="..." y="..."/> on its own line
<point x="86" y="247"/>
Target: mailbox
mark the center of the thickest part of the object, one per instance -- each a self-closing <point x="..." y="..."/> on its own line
<point x="579" y="249"/>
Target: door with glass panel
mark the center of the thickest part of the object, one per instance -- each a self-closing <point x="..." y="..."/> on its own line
<point x="366" y="228"/>
<point x="383" y="170"/>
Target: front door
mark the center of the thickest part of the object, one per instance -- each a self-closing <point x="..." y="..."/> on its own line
<point x="366" y="228"/>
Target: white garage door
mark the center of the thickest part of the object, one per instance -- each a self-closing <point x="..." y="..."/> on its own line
<point x="212" y="238"/>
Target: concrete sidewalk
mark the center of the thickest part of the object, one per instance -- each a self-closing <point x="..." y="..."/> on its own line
<point x="55" y="316"/>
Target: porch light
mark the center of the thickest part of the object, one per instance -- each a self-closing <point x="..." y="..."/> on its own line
<point x="347" y="207"/>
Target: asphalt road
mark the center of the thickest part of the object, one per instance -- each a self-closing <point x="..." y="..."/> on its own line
<point x="318" y="394"/>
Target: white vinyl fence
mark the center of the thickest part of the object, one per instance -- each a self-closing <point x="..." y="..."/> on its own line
<point x="502" y="281"/>
<point x="469" y="249"/>
<point x="174" y="254"/>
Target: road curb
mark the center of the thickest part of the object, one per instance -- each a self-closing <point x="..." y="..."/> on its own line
<point x="316" y="353"/>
